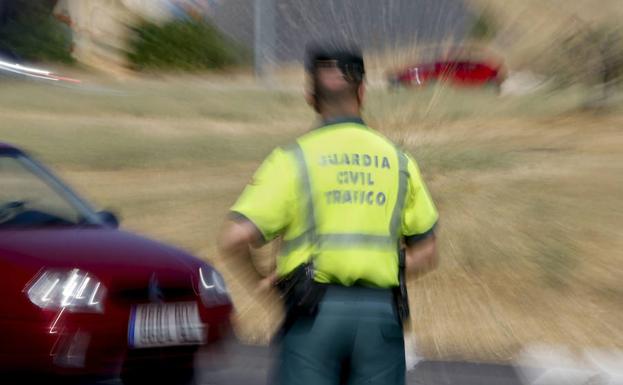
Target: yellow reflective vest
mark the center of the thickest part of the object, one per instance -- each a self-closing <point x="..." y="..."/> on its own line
<point x="342" y="195"/>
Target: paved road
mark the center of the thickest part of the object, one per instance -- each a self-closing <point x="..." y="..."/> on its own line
<point x="249" y="365"/>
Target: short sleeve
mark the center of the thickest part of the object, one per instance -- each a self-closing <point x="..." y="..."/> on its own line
<point x="420" y="215"/>
<point x="267" y="200"/>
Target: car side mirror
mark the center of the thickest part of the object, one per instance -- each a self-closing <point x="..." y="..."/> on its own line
<point x="108" y="218"/>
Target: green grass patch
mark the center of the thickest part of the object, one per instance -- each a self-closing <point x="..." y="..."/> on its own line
<point x="32" y="33"/>
<point x="187" y="45"/>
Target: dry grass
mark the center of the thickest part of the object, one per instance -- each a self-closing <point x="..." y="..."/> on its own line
<point x="533" y="241"/>
<point x="529" y="194"/>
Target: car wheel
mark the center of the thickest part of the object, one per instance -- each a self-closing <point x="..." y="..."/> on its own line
<point x="177" y="370"/>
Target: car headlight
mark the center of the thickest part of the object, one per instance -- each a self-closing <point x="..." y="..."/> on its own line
<point x="212" y="287"/>
<point x="74" y="290"/>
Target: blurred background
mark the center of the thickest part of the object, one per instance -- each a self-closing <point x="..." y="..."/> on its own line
<point x="161" y="110"/>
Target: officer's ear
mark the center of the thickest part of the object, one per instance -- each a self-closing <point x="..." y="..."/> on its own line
<point x="361" y="91"/>
<point x="312" y="101"/>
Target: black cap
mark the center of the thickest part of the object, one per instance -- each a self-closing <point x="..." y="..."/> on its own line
<point x="347" y="57"/>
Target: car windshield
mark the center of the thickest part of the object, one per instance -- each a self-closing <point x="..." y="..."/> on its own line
<point x="31" y="197"/>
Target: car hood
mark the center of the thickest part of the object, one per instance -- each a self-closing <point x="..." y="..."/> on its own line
<point x="114" y="256"/>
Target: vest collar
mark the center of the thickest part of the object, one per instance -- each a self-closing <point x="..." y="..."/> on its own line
<point x="342" y="120"/>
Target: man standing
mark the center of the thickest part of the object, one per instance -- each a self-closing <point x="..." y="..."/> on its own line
<point x="345" y="200"/>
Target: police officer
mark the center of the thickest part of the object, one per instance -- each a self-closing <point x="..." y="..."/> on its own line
<point x="344" y="199"/>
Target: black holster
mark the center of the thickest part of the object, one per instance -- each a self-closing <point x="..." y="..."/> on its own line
<point x="301" y="293"/>
<point x="401" y="297"/>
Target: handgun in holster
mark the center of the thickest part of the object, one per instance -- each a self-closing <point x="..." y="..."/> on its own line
<point x="400" y="293"/>
<point x="301" y="293"/>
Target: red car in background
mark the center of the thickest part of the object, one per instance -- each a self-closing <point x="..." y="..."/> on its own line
<point x="460" y="73"/>
<point x="82" y="298"/>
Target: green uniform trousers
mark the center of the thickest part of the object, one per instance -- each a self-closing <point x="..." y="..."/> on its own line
<point x="356" y="338"/>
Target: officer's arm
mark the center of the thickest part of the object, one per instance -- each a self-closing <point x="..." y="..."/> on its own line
<point x="419" y="222"/>
<point x="235" y="241"/>
<point x="263" y="209"/>
<point x="421" y="256"/>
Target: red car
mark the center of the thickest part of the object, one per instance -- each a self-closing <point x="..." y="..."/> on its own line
<point x="460" y="73"/>
<point x="82" y="298"/>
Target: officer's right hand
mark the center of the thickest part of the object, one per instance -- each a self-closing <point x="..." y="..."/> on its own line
<point x="267" y="283"/>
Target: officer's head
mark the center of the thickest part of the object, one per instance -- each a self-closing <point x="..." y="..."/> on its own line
<point x="336" y="78"/>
